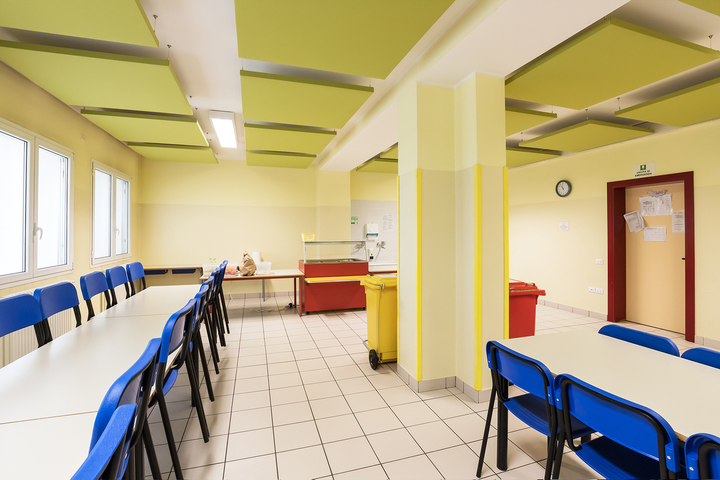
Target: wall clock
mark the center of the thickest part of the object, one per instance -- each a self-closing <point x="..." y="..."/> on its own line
<point x="563" y="188"/>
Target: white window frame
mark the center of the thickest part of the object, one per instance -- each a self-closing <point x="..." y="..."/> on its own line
<point x="32" y="273"/>
<point x="113" y="258"/>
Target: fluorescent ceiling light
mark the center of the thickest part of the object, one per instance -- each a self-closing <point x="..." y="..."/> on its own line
<point x="224" y="124"/>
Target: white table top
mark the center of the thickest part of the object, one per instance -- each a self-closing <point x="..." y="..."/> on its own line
<point x="685" y="393"/>
<point x="48" y="449"/>
<point x="164" y="300"/>
<point x="272" y="274"/>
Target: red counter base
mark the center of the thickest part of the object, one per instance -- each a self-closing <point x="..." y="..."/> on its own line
<point x="333" y="296"/>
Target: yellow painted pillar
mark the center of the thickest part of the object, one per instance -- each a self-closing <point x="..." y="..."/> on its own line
<point x="332" y="205"/>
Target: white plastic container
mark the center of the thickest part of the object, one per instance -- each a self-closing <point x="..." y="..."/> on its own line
<point x="263" y="267"/>
<point x="208" y="268"/>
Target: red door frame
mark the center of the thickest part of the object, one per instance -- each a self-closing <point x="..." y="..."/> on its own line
<point x="617" y="281"/>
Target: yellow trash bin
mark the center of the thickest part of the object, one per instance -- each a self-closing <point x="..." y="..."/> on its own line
<point x="381" y="302"/>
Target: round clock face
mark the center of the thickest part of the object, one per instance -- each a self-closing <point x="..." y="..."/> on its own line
<point x="563" y="188"/>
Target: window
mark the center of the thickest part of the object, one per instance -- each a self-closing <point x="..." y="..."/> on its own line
<point x="111" y="215"/>
<point x="36" y="213"/>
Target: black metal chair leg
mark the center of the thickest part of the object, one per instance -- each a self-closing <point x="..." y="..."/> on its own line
<point x="150" y="451"/>
<point x="559" y="453"/>
<point x="169" y="434"/>
<point x="203" y="361"/>
<point x="224" y="308"/>
<point x="217" y="322"/>
<point x="195" y="388"/>
<point x="552" y="445"/>
<point x="213" y="346"/>
<point x="487" y="432"/>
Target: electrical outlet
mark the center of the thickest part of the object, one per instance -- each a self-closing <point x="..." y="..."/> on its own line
<point x="599" y="261"/>
<point x="599" y="290"/>
<point x="591" y="289"/>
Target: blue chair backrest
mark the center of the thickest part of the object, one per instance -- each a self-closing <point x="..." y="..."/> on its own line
<point x="92" y="284"/>
<point x="18" y="312"/>
<point x="702" y="456"/>
<point x="116" y="276"/>
<point x="135" y="271"/>
<point x="644" y="339"/>
<point x="522" y="371"/>
<point x="56" y="298"/>
<point x="104" y="459"/>
<point x="702" y="355"/>
<point x="629" y="424"/>
<point x="200" y="304"/>
<point x="175" y="333"/>
<point x="132" y="388"/>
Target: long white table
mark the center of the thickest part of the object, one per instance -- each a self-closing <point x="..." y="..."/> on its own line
<point x="49" y="398"/>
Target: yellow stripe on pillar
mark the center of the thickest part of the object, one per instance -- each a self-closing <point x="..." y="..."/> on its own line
<point x="397" y="225"/>
<point x="477" y="204"/>
<point x="507" y="251"/>
<point x="418" y="278"/>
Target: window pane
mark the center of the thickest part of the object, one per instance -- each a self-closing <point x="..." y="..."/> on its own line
<point x="102" y="215"/>
<point x="13" y="185"/>
<point x="122" y="216"/>
<point x="52" y="220"/>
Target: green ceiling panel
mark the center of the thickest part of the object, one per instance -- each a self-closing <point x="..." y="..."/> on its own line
<point x="379" y="165"/>
<point x="391" y="154"/>
<point x="606" y="61"/>
<point x="94" y="79"/>
<point x="367" y="38"/>
<point x="122" y="21"/>
<point x="299" y="101"/>
<point x="278" y="159"/>
<point x="143" y="128"/>
<point x="586" y="135"/>
<point x="286" y="139"/>
<point x="692" y="105"/>
<point x="712" y="6"/>
<point x="516" y="157"/>
<point x="520" y="119"/>
<point x="174" y="153"/>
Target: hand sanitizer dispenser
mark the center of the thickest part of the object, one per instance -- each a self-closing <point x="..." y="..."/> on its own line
<point x="371" y="233"/>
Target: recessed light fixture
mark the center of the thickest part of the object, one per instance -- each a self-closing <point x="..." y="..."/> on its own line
<point x="224" y="124"/>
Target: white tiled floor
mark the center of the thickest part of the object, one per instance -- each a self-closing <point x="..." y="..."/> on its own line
<point x="296" y="399"/>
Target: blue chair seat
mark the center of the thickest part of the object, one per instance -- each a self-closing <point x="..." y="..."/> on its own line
<point x="531" y="411"/>
<point x="612" y="460"/>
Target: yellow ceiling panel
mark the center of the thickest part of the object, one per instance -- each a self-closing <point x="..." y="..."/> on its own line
<point x="174" y="153"/>
<point x="367" y="38"/>
<point x="520" y="119"/>
<point x="712" y="6"/>
<point x="606" y="61"/>
<point x="143" y="128"/>
<point x="379" y="165"/>
<point x="391" y="154"/>
<point x="516" y="157"/>
<point x="122" y="21"/>
<point x="94" y="79"/>
<point x="692" y="105"/>
<point x="279" y="159"/>
<point x="299" y="101"/>
<point x="286" y="139"/>
<point x="586" y="135"/>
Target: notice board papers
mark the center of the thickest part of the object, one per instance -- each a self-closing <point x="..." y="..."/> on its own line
<point x="655" y="206"/>
<point x="655" y="234"/>
<point x="634" y="221"/>
<point x="678" y="222"/>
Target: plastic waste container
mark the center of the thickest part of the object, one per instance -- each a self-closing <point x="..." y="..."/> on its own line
<point x="381" y="302"/>
<point x="523" y="301"/>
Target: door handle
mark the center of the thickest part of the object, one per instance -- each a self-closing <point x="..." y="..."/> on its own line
<point x="683" y="258"/>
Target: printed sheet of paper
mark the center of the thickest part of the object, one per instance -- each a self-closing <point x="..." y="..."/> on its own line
<point x="655" y="234"/>
<point x="634" y="221"/>
<point x="678" y="222"/>
<point x="388" y="223"/>
<point x="665" y="205"/>
<point x="655" y="206"/>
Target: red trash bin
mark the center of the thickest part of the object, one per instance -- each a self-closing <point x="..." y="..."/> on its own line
<point x="523" y="299"/>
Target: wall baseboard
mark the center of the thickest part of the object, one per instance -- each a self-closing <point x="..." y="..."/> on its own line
<point x="242" y="296"/>
<point x="570" y="308"/>
<point x="441" y="383"/>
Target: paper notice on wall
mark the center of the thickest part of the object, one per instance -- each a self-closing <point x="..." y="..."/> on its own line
<point x="678" y="222"/>
<point x="634" y="221"/>
<point x="665" y="205"/>
<point x="655" y="234"/>
<point x="655" y="206"/>
<point x="388" y="223"/>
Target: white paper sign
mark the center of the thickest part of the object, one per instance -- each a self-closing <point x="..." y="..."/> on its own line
<point x="644" y="170"/>
<point x="655" y="234"/>
<point x="388" y="224"/>
<point x="564" y="226"/>
<point x="656" y="206"/>
<point x="678" y="222"/>
<point x="634" y="221"/>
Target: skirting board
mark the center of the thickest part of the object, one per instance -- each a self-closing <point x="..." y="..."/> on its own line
<point x="569" y="308"/>
<point x="239" y="296"/>
<point x="441" y="383"/>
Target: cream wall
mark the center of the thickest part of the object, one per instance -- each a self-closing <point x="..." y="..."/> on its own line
<point x="563" y="262"/>
<point x="373" y="186"/>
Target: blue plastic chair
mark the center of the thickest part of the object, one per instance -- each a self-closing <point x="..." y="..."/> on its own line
<point x="196" y="344"/>
<point x="117" y="276"/>
<point x="205" y="316"/>
<point x="702" y="456"/>
<point x="221" y="294"/>
<point x="92" y="284"/>
<point x="135" y="271"/>
<point x="20" y="311"/>
<point x="176" y="338"/>
<point x="644" y="339"/>
<point x="57" y="298"/>
<point x="106" y="456"/>
<point x="536" y="408"/>
<point x="708" y="357"/>
<point x="636" y="442"/>
<point x="214" y="316"/>
<point x="132" y="388"/>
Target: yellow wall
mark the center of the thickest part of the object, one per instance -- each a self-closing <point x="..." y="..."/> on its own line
<point x="27" y="105"/>
<point x="373" y="186"/>
<point x="563" y="262"/>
